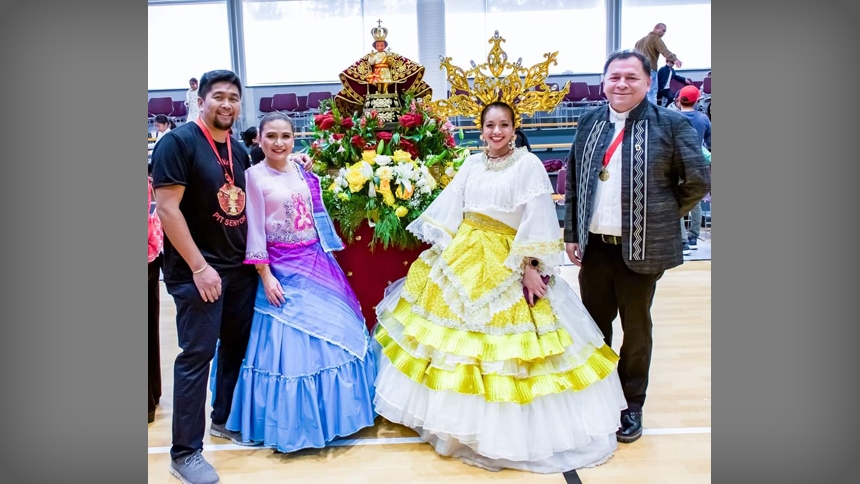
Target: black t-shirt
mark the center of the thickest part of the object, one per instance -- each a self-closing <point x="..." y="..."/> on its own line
<point x="216" y="220"/>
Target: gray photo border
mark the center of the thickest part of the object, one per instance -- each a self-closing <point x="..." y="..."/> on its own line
<point x="74" y="350"/>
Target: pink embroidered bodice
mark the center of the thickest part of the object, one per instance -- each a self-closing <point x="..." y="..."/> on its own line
<point x="279" y="210"/>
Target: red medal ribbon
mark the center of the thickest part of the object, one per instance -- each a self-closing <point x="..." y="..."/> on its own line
<point x="613" y="147"/>
<point x="229" y="161"/>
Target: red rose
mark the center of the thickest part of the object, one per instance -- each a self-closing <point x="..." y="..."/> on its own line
<point x="337" y="136"/>
<point x="410" y="120"/>
<point x="409" y="147"/>
<point x="449" y="141"/>
<point x="347" y="123"/>
<point x="357" y="141"/>
<point x="324" y="121"/>
<point x="384" y="136"/>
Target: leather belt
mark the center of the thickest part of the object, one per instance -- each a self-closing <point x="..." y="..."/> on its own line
<point x="610" y="239"/>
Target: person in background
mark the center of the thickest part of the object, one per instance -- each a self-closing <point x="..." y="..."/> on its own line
<point x="652" y="46"/>
<point x="249" y="136"/>
<point x="191" y="101"/>
<point x="156" y="247"/>
<point x="163" y="125"/>
<point x="687" y="97"/>
<point x="664" y="80"/>
<point x="522" y="140"/>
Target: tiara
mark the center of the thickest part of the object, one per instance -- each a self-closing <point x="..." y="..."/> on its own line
<point x="524" y="90"/>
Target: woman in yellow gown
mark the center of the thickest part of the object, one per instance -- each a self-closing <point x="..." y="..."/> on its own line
<point x="465" y="359"/>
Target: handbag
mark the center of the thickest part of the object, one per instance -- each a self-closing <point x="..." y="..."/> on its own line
<point x="552" y="166"/>
<point x="155" y="233"/>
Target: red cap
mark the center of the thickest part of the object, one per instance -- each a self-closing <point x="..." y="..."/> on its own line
<point x="689" y="94"/>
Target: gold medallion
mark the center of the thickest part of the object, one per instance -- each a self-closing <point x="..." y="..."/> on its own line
<point x="604" y="175"/>
<point x="232" y="199"/>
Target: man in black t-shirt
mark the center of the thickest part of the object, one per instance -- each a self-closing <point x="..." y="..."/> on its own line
<point x="199" y="178"/>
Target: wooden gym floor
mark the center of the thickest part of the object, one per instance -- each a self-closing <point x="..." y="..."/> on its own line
<point x="676" y="447"/>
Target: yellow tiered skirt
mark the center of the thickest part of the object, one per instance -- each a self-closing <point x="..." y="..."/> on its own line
<point x="481" y="375"/>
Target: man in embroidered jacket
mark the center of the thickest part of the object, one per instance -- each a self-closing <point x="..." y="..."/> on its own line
<point x="622" y="229"/>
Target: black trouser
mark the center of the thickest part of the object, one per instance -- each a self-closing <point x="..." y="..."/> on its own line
<point x="154" y="341"/>
<point x="199" y="325"/>
<point x="665" y="93"/>
<point x="608" y="287"/>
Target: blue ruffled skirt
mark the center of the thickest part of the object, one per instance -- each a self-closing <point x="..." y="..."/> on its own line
<point x="308" y="374"/>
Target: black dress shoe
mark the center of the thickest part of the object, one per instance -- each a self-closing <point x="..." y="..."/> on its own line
<point x="151" y="416"/>
<point x="631" y="426"/>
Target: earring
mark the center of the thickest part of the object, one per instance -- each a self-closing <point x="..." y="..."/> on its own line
<point x="512" y="143"/>
<point x="486" y="146"/>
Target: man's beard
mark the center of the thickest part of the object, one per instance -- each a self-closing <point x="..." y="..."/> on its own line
<point x="222" y="126"/>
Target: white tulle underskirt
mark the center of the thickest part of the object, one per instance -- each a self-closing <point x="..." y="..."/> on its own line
<point x="554" y="433"/>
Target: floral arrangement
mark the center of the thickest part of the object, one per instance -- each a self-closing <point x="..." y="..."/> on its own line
<point x="384" y="175"/>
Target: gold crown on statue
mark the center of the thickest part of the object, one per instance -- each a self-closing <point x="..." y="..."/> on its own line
<point x="524" y="90"/>
<point x="379" y="32"/>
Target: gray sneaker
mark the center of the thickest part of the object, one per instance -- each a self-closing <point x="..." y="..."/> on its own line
<point x="220" y="431"/>
<point x="194" y="470"/>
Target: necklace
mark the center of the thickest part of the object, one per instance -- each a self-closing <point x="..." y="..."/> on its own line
<point x="286" y="167"/>
<point x="500" y="156"/>
<point x="499" y="165"/>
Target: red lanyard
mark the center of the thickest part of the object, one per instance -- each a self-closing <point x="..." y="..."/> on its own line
<point x="229" y="161"/>
<point x="613" y="147"/>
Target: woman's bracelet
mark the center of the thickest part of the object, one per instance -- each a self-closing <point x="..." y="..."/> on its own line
<point x="198" y="271"/>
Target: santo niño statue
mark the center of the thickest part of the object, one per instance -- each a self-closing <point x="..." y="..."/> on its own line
<point x="379" y="79"/>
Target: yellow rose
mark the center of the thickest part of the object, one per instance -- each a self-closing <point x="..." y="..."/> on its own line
<point x="401" y="156"/>
<point x="401" y="212"/>
<point x="404" y="194"/>
<point x="369" y="156"/>
<point x="385" y="190"/>
<point x="444" y="180"/>
<point x="355" y="179"/>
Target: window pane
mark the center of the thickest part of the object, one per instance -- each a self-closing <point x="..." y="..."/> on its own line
<point x="550" y="26"/>
<point x="185" y="41"/>
<point x="465" y="38"/>
<point x="688" y="28"/>
<point x="313" y="41"/>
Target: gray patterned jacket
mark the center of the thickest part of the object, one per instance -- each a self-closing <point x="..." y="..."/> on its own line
<point x="663" y="176"/>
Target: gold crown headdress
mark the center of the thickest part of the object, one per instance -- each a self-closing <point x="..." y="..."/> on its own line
<point x="524" y="90"/>
<point x="379" y="32"/>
